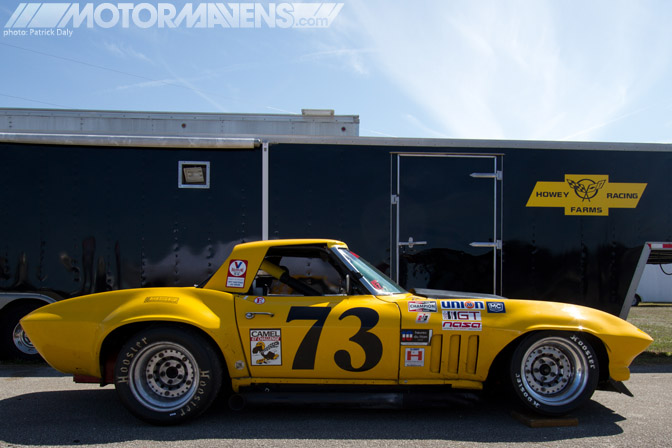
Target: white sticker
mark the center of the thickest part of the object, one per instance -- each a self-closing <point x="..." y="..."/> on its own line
<point x="266" y="347"/>
<point x="428" y="306"/>
<point x="461" y="315"/>
<point x="235" y="282"/>
<point x="414" y="357"/>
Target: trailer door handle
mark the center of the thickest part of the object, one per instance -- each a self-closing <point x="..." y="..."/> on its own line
<point x="412" y="243"/>
<point x="496" y="245"/>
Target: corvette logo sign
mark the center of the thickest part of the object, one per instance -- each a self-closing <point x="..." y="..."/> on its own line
<point x="586" y="195"/>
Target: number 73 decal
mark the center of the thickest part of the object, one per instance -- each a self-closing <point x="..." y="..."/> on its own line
<point x="370" y="343"/>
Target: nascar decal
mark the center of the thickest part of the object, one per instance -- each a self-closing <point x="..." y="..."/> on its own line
<point x="424" y="306"/>
<point x="586" y="195"/>
<point x="416" y="337"/>
<point x="266" y="347"/>
<point x="237" y="274"/>
<point x="414" y="357"/>
<point x="462" y="305"/>
<point x="496" y="307"/>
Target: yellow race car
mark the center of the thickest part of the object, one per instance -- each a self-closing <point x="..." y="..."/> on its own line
<point x="309" y="320"/>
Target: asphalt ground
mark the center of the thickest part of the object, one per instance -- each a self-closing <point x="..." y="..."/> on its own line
<point x="40" y="407"/>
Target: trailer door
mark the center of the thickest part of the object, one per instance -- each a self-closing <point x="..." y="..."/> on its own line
<point x="446" y="221"/>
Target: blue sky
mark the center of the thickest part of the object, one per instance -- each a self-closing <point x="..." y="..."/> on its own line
<point x="588" y="70"/>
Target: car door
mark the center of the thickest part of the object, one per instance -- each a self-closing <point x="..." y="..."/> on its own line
<point x="328" y="334"/>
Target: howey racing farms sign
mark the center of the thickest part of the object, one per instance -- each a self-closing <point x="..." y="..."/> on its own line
<point x="591" y="195"/>
<point x="167" y="15"/>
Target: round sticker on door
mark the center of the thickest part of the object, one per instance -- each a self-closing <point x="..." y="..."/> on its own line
<point x="259" y="300"/>
<point x="237" y="268"/>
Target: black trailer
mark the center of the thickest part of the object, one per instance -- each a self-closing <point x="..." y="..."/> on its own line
<point x="562" y="221"/>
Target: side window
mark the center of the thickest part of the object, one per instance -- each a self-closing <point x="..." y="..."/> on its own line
<point x="298" y="273"/>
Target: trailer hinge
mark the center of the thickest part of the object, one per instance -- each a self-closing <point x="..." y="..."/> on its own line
<point x="395" y="199"/>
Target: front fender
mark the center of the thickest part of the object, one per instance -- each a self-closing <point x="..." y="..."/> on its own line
<point x="622" y="340"/>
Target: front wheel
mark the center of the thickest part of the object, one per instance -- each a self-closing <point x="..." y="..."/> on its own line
<point x="167" y="375"/>
<point x="553" y="373"/>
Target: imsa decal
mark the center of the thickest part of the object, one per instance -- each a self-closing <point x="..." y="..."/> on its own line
<point x="586" y="195"/>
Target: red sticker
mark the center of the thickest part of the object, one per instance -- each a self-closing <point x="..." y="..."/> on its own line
<point x="376" y="285"/>
<point x="238" y="268"/>
<point x="237" y="271"/>
<point x="259" y="300"/>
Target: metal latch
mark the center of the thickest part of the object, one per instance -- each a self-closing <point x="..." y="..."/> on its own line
<point x="496" y="175"/>
<point x="412" y="243"/>
<point x="496" y="245"/>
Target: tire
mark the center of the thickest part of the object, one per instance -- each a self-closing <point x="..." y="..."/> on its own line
<point x="14" y="342"/>
<point x="166" y="375"/>
<point x="637" y="300"/>
<point x="553" y="373"/>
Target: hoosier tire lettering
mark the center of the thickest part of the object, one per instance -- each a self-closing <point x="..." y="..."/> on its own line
<point x="553" y="372"/>
<point x="167" y="375"/>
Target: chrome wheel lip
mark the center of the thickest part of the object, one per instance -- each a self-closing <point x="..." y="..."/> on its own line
<point x="554" y="371"/>
<point x="164" y="376"/>
<point x="22" y="341"/>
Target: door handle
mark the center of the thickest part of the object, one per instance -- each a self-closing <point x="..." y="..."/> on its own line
<point x="251" y="315"/>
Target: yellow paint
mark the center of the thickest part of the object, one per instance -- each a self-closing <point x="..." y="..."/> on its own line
<point x="70" y="334"/>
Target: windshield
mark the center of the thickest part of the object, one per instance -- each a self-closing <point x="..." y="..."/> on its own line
<point x="377" y="282"/>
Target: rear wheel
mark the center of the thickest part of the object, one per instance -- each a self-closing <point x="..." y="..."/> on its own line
<point x="167" y="375"/>
<point x="554" y="373"/>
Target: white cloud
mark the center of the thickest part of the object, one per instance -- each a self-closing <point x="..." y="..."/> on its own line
<point x="352" y="58"/>
<point x="528" y="69"/>
<point x="125" y="51"/>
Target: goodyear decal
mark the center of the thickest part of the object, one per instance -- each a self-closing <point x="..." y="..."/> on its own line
<point x="586" y="195"/>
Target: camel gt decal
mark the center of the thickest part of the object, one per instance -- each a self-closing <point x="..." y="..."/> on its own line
<point x="266" y="347"/>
